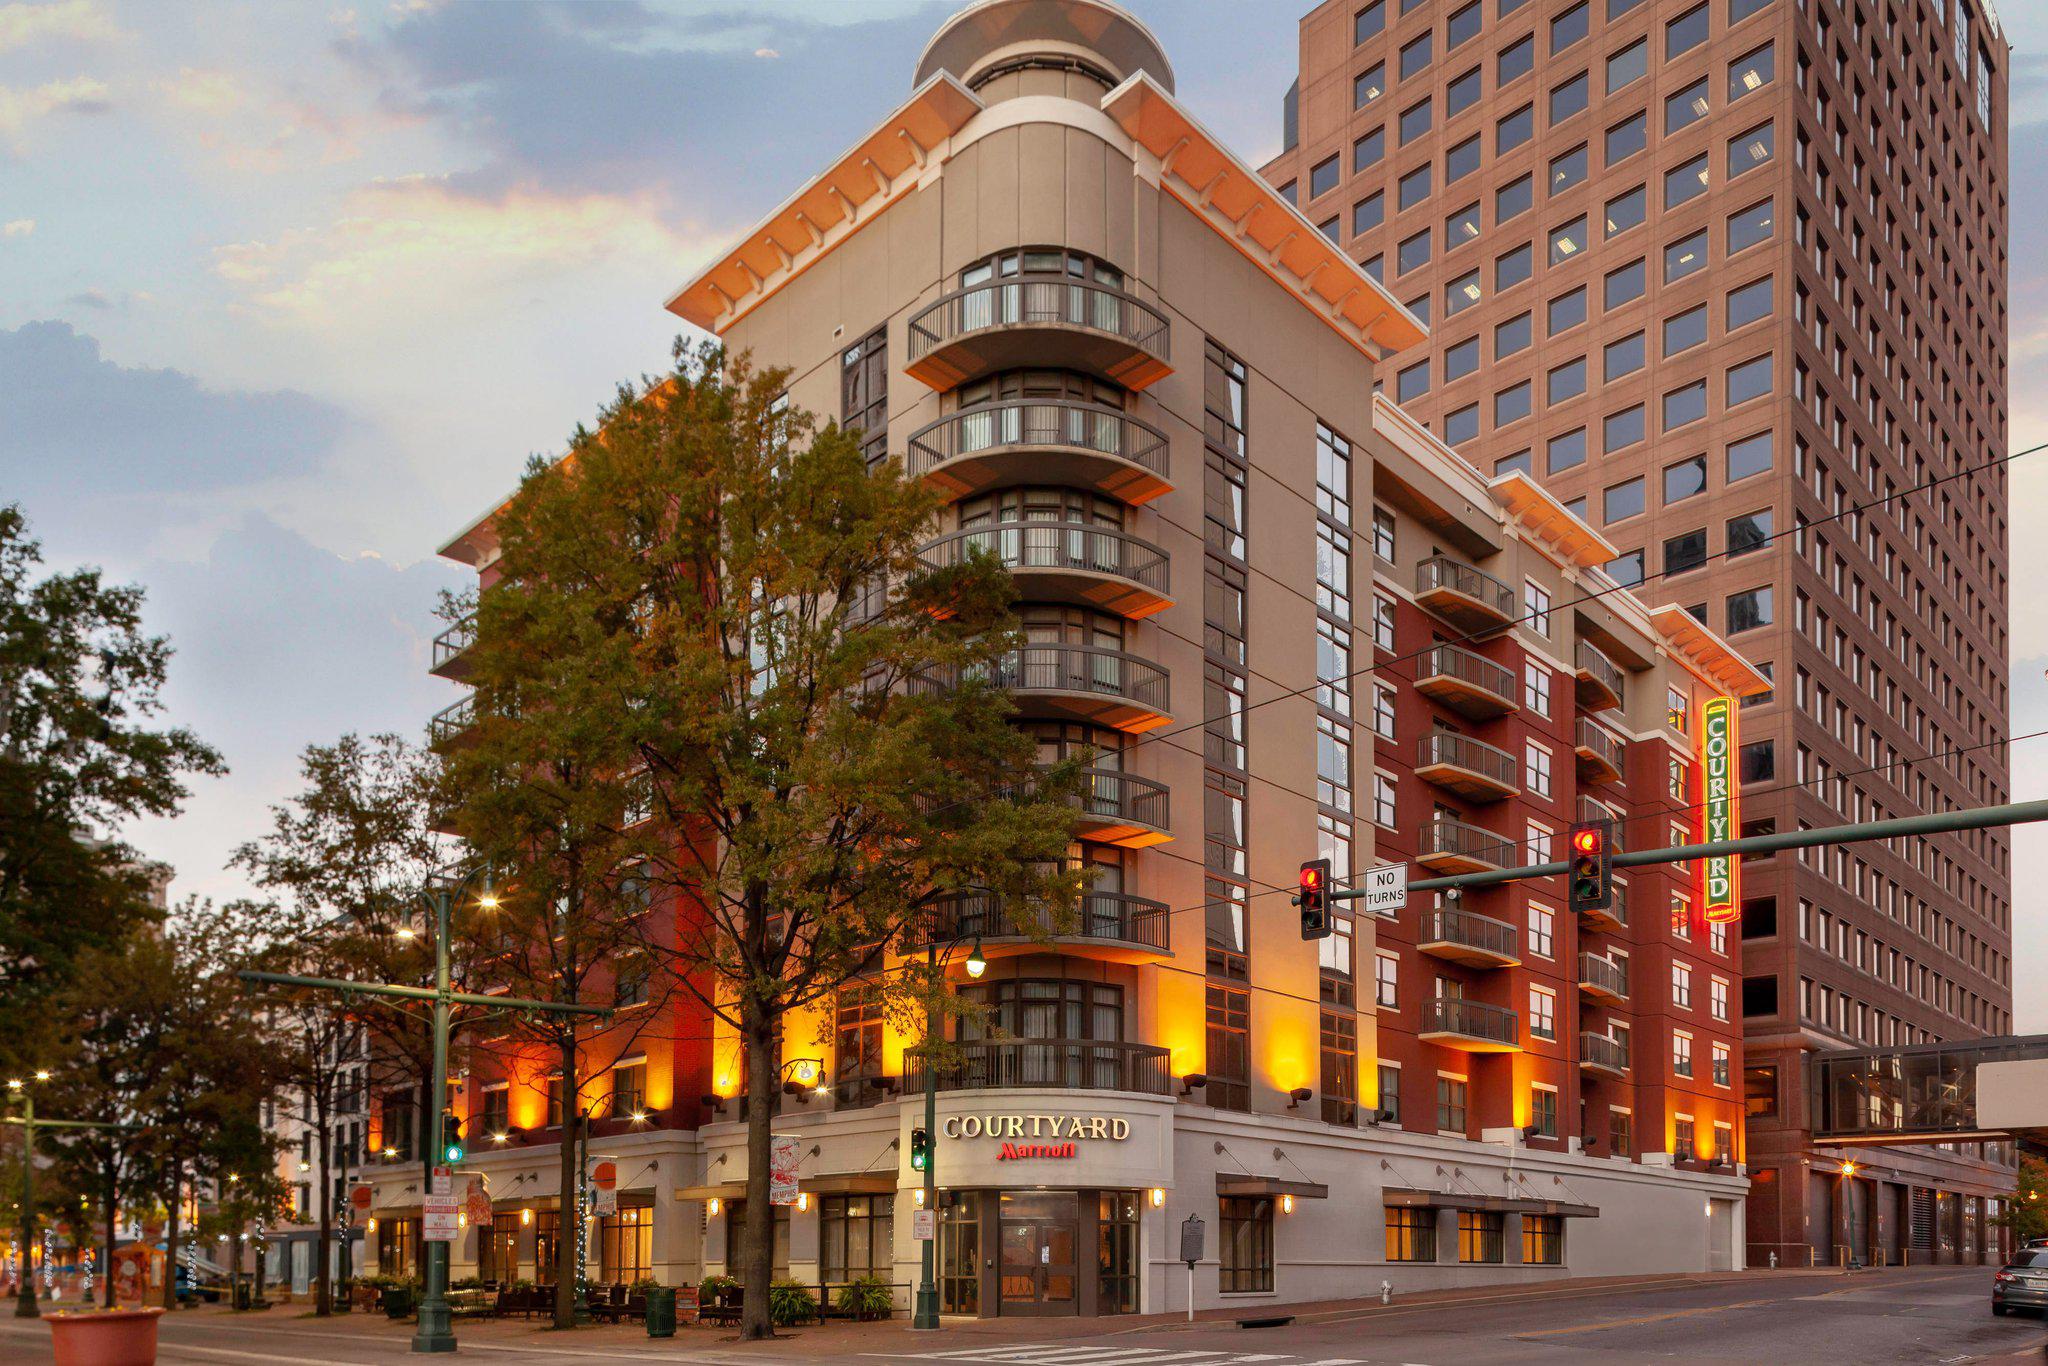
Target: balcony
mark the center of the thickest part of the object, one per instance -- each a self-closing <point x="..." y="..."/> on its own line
<point x="1471" y="1026"/>
<point x="1122" y="809"/>
<point x="1462" y="595"/>
<point x="1614" y="917"/>
<point x="1065" y="1064"/>
<point x="1074" y="562"/>
<point x="1110" y="926"/>
<point x="1599" y="1053"/>
<point x="449" y="648"/>
<point x="1477" y="941"/>
<point x="1451" y="846"/>
<point x="1599" y="753"/>
<point x="1086" y="683"/>
<point x="1601" y="684"/>
<point x="448" y="724"/>
<point x="1471" y="768"/>
<point x="1046" y="441"/>
<point x="1470" y="684"/>
<point x="1602" y="979"/>
<point x="1043" y="322"/>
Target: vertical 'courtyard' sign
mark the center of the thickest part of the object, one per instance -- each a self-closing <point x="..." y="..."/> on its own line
<point x="1718" y="806"/>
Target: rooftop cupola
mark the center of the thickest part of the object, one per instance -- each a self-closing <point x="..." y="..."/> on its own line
<point x="994" y="38"/>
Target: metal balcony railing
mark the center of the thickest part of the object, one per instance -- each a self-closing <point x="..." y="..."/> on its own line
<point x="1597" y="744"/>
<point x="1440" y="572"/>
<point x="1110" y="794"/>
<point x="1598" y="1050"/>
<point x="1474" y="756"/>
<point x="1117" y="917"/>
<point x="1603" y="974"/>
<point x="1079" y="669"/>
<point x="1085" y="427"/>
<point x="1475" y="670"/>
<point x="1590" y="810"/>
<point x="1055" y="545"/>
<point x="451" y="720"/>
<point x="1070" y="1064"/>
<point x="1493" y="938"/>
<point x="1039" y="301"/>
<point x="1473" y="1019"/>
<point x="1601" y="670"/>
<point x="1454" y="837"/>
<point x="453" y="641"/>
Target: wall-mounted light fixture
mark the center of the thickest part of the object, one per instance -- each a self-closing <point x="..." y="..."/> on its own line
<point x="1298" y="1095"/>
<point x="1158" y="1197"/>
<point x="1193" y="1082"/>
<point x="711" y="1206"/>
<point x="1287" y="1204"/>
<point x="803" y="1200"/>
<point x="917" y="1194"/>
<point x="526" y="1216"/>
<point x="713" y="1102"/>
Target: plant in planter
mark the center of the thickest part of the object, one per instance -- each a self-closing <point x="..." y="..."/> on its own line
<point x="867" y="1297"/>
<point x="712" y="1287"/>
<point x="791" y="1302"/>
<point x="645" y="1284"/>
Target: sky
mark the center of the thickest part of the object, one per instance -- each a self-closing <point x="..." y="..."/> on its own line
<point x="289" y="292"/>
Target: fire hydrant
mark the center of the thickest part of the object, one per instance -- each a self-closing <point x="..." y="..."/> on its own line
<point x="1774" y="1261"/>
<point x="1386" y="1292"/>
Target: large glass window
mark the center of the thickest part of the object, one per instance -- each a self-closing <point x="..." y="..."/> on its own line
<point x="1512" y="267"/>
<point x="1747" y="151"/>
<point x="625" y="1242"/>
<point x="1517" y="60"/>
<point x="1415" y="121"/>
<point x="398" y="1248"/>
<point x="1481" y="1235"/>
<point x="1462" y="160"/>
<point x="1368" y="149"/>
<point x="1685" y="256"/>
<point x="1628" y="137"/>
<point x="1746" y="304"/>
<point x="1682" y="182"/>
<point x="1569" y="98"/>
<point x="1229" y="1048"/>
<point x="1116" y="1259"/>
<point x="856" y="1237"/>
<point x="1514" y="129"/>
<point x="1411" y="1234"/>
<point x="1322" y="177"/>
<point x="1752" y="72"/>
<point x="1543" y="1240"/>
<point x="1568" y="169"/>
<point x="1623" y="284"/>
<point x="1747" y="227"/>
<point x="1369" y="85"/>
<point x="1414" y="187"/>
<point x="1461" y="94"/>
<point x="1245" y="1245"/>
<point x="1369" y="22"/>
<point x="1686" y="107"/>
<point x="1632" y="63"/>
<point x="1683" y="331"/>
<point x="1686" y="32"/>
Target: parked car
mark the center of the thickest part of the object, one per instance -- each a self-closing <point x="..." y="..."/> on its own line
<point x="2021" y="1283"/>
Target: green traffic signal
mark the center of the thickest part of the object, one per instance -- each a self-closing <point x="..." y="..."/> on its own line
<point x="920" y="1150"/>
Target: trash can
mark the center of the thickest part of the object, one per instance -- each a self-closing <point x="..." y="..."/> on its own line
<point x="661" y="1311"/>
<point x="242" y="1291"/>
<point x="397" y="1301"/>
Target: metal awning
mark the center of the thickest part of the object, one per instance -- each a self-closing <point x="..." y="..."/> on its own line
<point x="1228" y="1184"/>
<point x="1412" y="1199"/>
<point x="730" y="1190"/>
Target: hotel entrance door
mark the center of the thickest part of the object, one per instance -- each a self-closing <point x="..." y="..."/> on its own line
<point x="1039" y="1239"/>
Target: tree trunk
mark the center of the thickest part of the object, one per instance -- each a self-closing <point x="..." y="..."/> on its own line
<point x="323" y="1282"/>
<point x="107" y="1267"/>
<point x="759" y="1030"/>
<point x="262" y="1272"/>
<point x="235" y="1265"/>
<point x="171" y="1238"/>
<point x="569" y="1219"/>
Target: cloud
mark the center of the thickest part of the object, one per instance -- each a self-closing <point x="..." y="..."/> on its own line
<point x="19" y="107"/>
<point x="17" y="227"/>
<point x="73" y="20"/>
<point x="766" y="52"/>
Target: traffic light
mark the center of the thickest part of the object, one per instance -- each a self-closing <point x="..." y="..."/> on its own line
<point x="920" y="1150"/>
<point x="1314" y="899"/>
<point x="452" y="1149"/>
<point x="1590" y="882"/>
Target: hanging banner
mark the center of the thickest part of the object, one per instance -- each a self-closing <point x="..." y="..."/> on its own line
<point x="1720" y="818"/>
<point x="478" y="1200"/>
<point x="782" y="1163"/>
<point x="604" y="1188"/>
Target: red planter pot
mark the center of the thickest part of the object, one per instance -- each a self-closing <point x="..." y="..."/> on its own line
<point x="117" y="1337"/>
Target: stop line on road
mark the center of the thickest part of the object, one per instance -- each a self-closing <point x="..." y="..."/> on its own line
<point x="1052" y="1354"/>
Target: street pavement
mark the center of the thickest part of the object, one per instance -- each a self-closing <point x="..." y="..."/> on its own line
<point x="1926" y="1315"/>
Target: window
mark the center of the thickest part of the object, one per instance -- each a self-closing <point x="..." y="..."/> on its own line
<point x="1759" y="1084"/>
<point x="1461" y="94"/>
<point x="1752" y="72"/>
<point x="1684" y="479"/>
<point x="1543" y="1234"/>
<point x="1461" y="425"/>
<point x="1567" y="169"/>
<point x="1683" y="331"/>
<point x="1369" y="212"/>
<point x="1461" y="359"/>
<point x="1519" y="462"/>
<point x="1567" y="241"/>
<point x="1322" y="177"/>
<point x="1751" y="379"/>
<point x="1684" y="405"/>
<point x="1390" y="1092"/>
<point x="629" y="980"/>
<point x="1514" y="198"/>
<point x="1461" y="161"/>
<point x="1512" y="336"/>
<point x="1681" y="1053"/>
<point x="1511" y="404"/>
<point x="1543" y="1111"/>
<point x="1566" y="381"/>
<point x="1413" y="187"/>
<point x="497" y="1110"/>
<point x="1536" y="607"/>
<point x="1568" y="28"/>
<point x="1461" y="293"/>
<point x="1383" y="803"/>
<point x="1245" y="1246"/>
<point x="1386" y="979"/>
<point x="1568" y="98"/>
<point x="1369" y="85"/>
<point x="1626" y="569"/>
<point x="1512" y="267"/>
<point x="1542" y="931"/>
<point x="1685" y="181"/>
<point x="1717" y="998"/>
<point x="1681" y="986"/>
<point x="1537" y="762"/>
<point x="1543" y="1019"/>
<point x="1463" y="26"/>
<point x="1411" y="1234"/>
<point x="1229" y="1047"/>
<point x="1758" y="761"/>
<point x="1369" y="22"/>
<point x="1566" y="311"/>
<point x="1738" y="10"/>
<point x="1623" y="356"/>
<point x="1627" y="210"/>
<point x="1566" y="450"/>
<point x="1517" y="60"/>
<point x="1624" y="284"/>
<point x="1685" y="552"/>
<point x="1749" y="610"/>
<point x="1624" y="500"/>
<point x="1627" y="138"/>
<point x="1685" y="256"/>
<point x="1751" y="455"/>
<point x="1481" y="1236"/>
<point x="1367" y="150"/>
<point x="1415" y="121"/>
<point x="1417" y="54"/>
<point x="1686" y="32"/>
<point x="1746" y="304"/>
<point x="1749" y="226"/>
<point x="1620" y="429"/>
<point x="1747" y="151"/>
<point x="629" y="1088"/>
<point x="1536" y="688"/>
<point x="1450" y="1104"/>
<point x="856" y="1237"/>
<point x="1749" y="532"/>
<point x="1685" y="108"/>
<point x="1412" y="383"/>
<point x="1413" y="252"/>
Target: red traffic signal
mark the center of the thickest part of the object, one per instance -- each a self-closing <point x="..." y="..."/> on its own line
<point x="1589" y="882"/>
<point x="1586" y="839"/>
<point x="1314" y="899"/>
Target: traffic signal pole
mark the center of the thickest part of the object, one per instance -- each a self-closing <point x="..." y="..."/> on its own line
<point x="1936" y="823"/>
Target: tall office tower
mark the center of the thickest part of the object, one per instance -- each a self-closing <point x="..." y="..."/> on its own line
<point x="1719" y="274"/>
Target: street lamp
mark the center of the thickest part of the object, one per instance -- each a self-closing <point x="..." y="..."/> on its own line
<point x="25" y="1306"/>
<point x="925" y="1305"/>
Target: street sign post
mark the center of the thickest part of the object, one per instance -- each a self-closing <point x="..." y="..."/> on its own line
<point x="438" y="1218"/>
<point x="1386" y="889"/>
<point x="924" y="1225"/>
<point x="1191" y="1252"/>
<point x="443" y="1182"/>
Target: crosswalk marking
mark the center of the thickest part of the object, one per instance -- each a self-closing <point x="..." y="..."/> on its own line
<point x="1047" y="1354"/>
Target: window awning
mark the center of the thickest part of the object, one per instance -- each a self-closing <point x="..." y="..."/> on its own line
<point x="1228" y="1184"/>
<point x="730" y="1190"/>
<point x="1414" y="1199"/>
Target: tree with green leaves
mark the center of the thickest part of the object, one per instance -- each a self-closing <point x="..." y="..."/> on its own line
<point x="81" y="751"/>
<point x="2026" y="1212"/>
<point x="718" y="609"/>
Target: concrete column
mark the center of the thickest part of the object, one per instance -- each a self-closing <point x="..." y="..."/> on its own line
<point x="1511" y="1238"/>
<point x="1447" y="1236"/>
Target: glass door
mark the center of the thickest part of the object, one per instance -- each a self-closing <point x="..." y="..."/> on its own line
<point x="1039" y="1238"/>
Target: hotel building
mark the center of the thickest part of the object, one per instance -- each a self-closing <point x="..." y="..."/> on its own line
<point x="1285" y="620"/>
<point x="1714" y="272"/>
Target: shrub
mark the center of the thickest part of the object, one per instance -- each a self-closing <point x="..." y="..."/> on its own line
<point x="868" y="1297"/>
<point x="791" y="1302"/>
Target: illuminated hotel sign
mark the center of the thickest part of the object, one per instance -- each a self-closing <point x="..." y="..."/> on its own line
<point x="1047" y="1135"/>
<point x="1718" y="806"/>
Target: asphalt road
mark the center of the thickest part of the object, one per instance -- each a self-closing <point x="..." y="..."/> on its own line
<point x="1914" y="1316"/>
